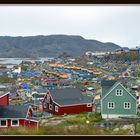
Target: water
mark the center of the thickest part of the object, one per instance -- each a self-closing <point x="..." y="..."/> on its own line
<point x="16" y="61"/>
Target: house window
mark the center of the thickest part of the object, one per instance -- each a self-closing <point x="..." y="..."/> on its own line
<point x="127" y="105"/>
<point x="45" y="105"/>
<point x="14" y="122"/>
<point x="56" y="108"/>
<point x="3" y="123"/>
<point x="50" y="107"/>
<point x="89" y="105"/>
<point x="111" y="105"/>
<point x="119" y="92"/>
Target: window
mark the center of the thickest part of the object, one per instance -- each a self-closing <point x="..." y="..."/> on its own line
<point x="3" y="123"/>
<point x="127" y="105"/>
<point x="89" y="105"/>
<point x="111" y="105"/>
<point x="45" y="105"/>
<point x="50" y="107"/>
<point x="56" y="108"/>
<point x="14" y="122"/>
<point x="119" y="92"/>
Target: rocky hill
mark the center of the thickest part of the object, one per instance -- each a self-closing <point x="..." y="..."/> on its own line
<point x="50" y="46"/>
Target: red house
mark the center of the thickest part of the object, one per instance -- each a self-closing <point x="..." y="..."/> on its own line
<point x="4" y="98"/>
<point x="17" y="116"/>
<point x="66" y="101"/>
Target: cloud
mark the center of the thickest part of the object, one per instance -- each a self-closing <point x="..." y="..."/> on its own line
<point x="118" y="24"/>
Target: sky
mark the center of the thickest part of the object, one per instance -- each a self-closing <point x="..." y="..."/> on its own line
<point x="119" y="24"/>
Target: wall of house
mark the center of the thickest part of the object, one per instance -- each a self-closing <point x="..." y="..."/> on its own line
<point x="73" y="109"/>
<point x="23" y="123"/>
<point x="105" y="116"/>
<point x="30" y="123"/>
<point x="47" y="102"/>
<point x="4" y="100"/>
<point x="30" y="113"/>
<point x="119" y="103"/>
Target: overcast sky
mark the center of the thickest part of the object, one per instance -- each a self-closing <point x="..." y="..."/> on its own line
<point x="119" y="24"/>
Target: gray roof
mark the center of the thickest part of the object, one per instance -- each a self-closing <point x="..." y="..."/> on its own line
<point x="41" y="90"/>
<point x="32" y="102"/>
<point x="38" y="95"/>
<point x="108" y="82"/>
<point x="13" y="111"/>
<point x="69" y="96"/>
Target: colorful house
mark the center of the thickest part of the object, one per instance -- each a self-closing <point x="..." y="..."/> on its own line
<point x="17" y="116"/>
<point x="66" y="101"/>
<point x="117" y="101"/>
<point x="4" y="98"/>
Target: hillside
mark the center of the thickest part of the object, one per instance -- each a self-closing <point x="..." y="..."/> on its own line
<point x="50" y="46"/>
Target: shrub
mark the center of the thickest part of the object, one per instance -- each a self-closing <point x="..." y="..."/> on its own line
<point x="96" y="117"/>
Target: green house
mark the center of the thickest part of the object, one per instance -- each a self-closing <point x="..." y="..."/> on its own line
<point x="117" y="102"/>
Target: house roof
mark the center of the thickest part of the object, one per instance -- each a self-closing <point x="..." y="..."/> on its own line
<point x="41" y="90"/>
<point x="32" y="102"/>
<point x="108" y="82"/>
<point x="38" y="95"/>
<point x="13" y="111"/>
<point x="69" y="96"/>
<point x="3" y="93"/>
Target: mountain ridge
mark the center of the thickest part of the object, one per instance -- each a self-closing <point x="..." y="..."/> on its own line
<point x="51" y="45"/>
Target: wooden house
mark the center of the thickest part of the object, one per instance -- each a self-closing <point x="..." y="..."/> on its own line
<point x="117" y="101"/>
<point x="17" y="116"/>
<point x="66" y="101"/>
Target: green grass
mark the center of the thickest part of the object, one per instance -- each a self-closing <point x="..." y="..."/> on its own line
<point x="62" y="130"/>
<point x="82" y="118"/>
<point x="71" y="125"/>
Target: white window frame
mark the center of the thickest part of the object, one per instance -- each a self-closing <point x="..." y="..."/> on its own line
<point x="6" y="123"/>
<point x="119" y="94"/>
<point x="12" y="122"/>
<point x="56" y="108"/>
<point x="89" y="105"/>
<point x="127" y="105"/>
<point x="109" y="106"/>
<point x="50" y="107"/>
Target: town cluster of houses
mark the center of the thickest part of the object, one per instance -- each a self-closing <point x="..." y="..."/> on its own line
<point x="54" y="88"/>
<point x="117" y="51"/>
<point x="116" y="101"/>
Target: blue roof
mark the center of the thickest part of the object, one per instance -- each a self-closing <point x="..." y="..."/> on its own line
<point x="25" y="86"/>
<point x="30" y="73"/>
